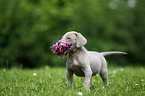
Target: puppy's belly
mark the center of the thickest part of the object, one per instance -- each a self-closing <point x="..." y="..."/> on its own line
<point x="78" y="71"/>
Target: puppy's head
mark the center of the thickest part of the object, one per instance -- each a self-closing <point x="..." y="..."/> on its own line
<point x="77" y="39"/>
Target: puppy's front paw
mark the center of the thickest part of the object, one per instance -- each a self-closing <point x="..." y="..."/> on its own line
<point x="86" y="86"/>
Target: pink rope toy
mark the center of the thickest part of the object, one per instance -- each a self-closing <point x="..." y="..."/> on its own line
<point x="62" y="49"/>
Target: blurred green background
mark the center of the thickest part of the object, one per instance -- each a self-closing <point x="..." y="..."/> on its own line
<point x="29" y="27"/>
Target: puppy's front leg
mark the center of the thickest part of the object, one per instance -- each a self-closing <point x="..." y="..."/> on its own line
<point x="69" y="76"/>
<point x="88" y="75"/>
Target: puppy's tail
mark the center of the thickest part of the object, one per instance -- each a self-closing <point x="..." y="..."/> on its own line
<point x="112" y="52"/>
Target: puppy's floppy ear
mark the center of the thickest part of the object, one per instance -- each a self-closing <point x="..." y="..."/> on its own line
<point x="81" y="40"/>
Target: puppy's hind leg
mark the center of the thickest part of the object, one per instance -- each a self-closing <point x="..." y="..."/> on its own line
<point x="104" y="76"/>
<point x="104" y="73"/>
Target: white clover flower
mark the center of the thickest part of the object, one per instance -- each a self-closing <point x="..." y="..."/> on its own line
<point x="80" y="93"/>
<point x="142" y="79"/>
<point x="136" y="84"/>
<point x="109" y="72"/>
<point x="4" y="70"/>
<point x="121" y="69"/>
<point x="114" y="71"/>
<point x="103" y="87"/>
<point x="34" y="74"/>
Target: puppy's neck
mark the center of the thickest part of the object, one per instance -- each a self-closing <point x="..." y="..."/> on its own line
<point x="76" y="51"/>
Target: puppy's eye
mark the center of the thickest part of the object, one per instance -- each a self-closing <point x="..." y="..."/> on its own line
<point x="68" y="38"/>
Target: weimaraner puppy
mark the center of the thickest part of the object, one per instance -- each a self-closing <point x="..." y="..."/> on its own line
<point x="84" y="63"/>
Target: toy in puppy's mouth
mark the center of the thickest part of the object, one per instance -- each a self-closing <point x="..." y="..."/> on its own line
<point x="62" y="48"/>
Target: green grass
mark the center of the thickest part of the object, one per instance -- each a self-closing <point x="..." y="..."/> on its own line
<point x="125" y="81"/>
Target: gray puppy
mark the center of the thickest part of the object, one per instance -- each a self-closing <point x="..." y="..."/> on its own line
<point x="85" y="63"/>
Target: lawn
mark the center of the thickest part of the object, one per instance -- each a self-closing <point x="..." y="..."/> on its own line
<point x="123" y="81"/>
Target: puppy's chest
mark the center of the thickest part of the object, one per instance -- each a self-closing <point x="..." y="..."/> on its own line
<point x="75" y="66"/>
<point x="73" y="62"/>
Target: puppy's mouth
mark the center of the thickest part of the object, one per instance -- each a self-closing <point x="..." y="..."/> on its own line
<point x="61" y="48"/>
